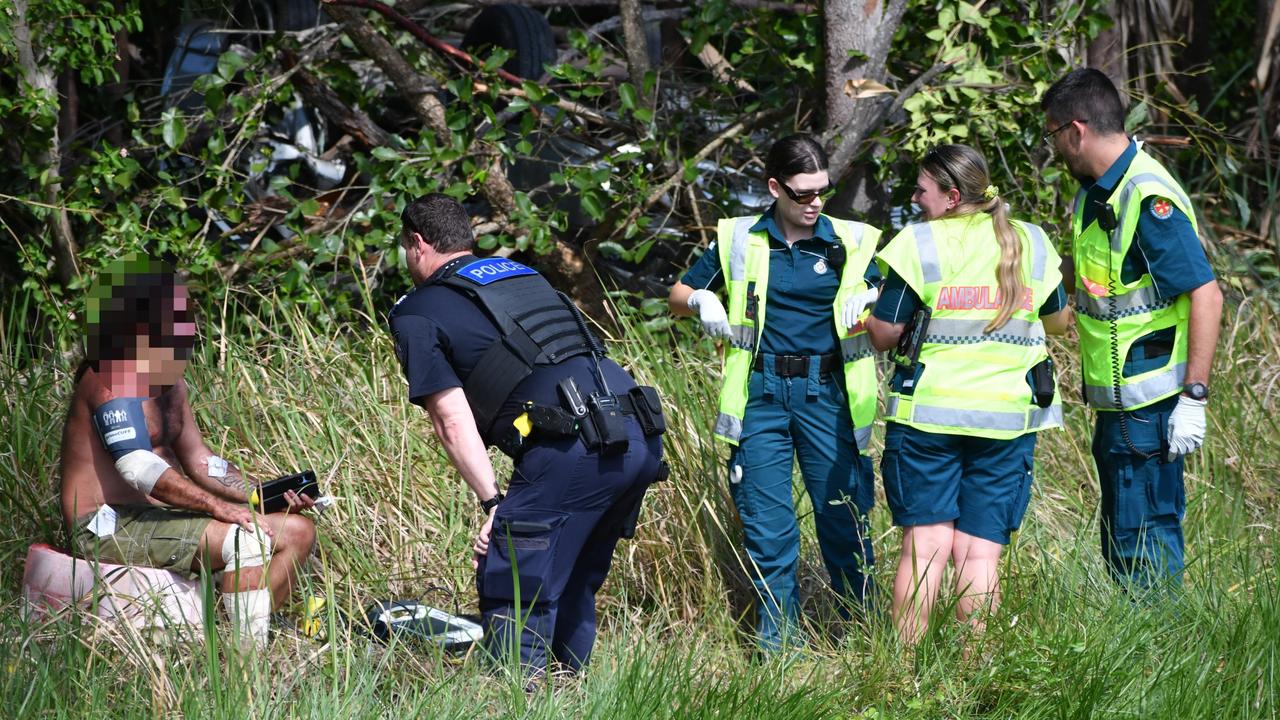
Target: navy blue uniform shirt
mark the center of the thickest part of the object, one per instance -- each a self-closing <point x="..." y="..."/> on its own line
<point x="798" y="319"/>
<point x="440" y="334"/>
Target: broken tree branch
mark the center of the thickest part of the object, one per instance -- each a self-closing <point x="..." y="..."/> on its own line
<point x="721" y="69"/>
<point x="422" y="35"/>
<point x="353" y="121"/>
<point x="728" y="134"/>
<point x="495" y="187"/>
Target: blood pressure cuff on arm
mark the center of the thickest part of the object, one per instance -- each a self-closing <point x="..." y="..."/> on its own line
<point x="123" y="430"/>
<point x="122" y="426"/>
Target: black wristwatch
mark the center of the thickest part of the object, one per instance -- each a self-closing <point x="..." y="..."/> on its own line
<point x="1196" y="391"/>
<point x="488" y="505"/>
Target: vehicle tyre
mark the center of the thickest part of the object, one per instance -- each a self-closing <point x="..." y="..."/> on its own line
<point x="298" y="14"/>
<point x="523" y="31"/>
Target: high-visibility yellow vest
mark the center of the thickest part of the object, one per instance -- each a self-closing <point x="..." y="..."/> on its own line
<point x="744" y="260"/>
<point x="1112" y="315"/>
<point x="974" y="382"/>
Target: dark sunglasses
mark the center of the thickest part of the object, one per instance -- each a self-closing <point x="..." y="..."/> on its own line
<point x="804" y="198"/>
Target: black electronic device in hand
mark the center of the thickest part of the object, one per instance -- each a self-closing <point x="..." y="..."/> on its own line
<point x="270" y="497"/>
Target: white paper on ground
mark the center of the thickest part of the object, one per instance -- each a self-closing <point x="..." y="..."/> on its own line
<point x="103" y="523"/>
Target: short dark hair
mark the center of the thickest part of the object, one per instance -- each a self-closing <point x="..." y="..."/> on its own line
<point x="132" y="297"/>
<point x="1089" y="95"/>
<point x="441" y="221"/>
<point x="793" y="155"/>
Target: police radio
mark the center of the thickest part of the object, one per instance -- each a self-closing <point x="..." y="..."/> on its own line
<point x="1106" y="215"/>
<point x="599" y="418"/>
<point x="908" y="350"/>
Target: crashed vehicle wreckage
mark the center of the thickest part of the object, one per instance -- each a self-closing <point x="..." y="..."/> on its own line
<point x="306" y="144"/>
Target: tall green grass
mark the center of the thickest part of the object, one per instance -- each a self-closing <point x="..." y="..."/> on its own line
<point x="275" y="393"/>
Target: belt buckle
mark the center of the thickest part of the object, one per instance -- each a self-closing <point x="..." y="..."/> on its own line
<point x="792" y="365"/>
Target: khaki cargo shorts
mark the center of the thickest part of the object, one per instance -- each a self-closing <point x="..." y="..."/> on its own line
<point x="146" y="536"/>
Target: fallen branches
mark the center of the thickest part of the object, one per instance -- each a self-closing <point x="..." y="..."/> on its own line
<point x="495" y="187"/>
<point x="728" y="134"/>
<point x="422" y="35"/>
<point x="353" y="121"/>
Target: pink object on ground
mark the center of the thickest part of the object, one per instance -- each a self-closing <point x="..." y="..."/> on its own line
<point x="145" y="597"/>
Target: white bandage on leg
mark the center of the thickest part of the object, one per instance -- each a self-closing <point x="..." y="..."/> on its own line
<point x="244" y="549"/>
<point x="141" y="469"/>
<point x="250" y="615"/>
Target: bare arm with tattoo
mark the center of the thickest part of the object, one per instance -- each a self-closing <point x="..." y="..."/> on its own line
<point x="194" y="455"/>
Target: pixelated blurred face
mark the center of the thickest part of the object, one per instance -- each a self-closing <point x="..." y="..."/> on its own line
<point x="163" y="351"/>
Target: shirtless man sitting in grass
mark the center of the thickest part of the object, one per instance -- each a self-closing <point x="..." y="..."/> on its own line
<point x="139" y="485"/>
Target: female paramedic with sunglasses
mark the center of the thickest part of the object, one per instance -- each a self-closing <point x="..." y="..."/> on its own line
<point x="966" y="402"/>
<point x="799" y="380"/>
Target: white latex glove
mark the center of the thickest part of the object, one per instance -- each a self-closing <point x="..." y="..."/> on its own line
<point x="854" y="306"/>
<point x="715" y="321"/>
<point x="1186" y="427"/>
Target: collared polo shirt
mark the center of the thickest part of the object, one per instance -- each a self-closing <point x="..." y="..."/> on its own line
<point x="802" y="288"/>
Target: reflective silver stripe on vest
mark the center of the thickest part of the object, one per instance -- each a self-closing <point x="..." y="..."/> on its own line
<point x="743" y="337"/>
<point x="862" y="436"/>
<point x="1078" y="203"/>
<point x="955" y="331"/>
<point x="738" y="250"/>
<point x="729" y="426"/>
<point x="1039" y="249"/>
<point x="1043" y="417"/>
<point x="1117" y="236"/>
<point x="928" y="251"/>
<point x="1139" y="393"/>
<point x="974" y="419"/>
<point x="856" y="347"/>
<point x="1135" y="302"/>
<point x="1034" y="418"/>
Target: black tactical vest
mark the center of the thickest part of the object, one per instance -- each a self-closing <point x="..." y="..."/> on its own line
<point x="538" y="325"/>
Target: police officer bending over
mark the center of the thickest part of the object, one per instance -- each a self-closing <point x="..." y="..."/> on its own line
<point x="498" y="357"/>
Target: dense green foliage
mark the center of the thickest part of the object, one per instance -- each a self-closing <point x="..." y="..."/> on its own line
<point x="146" y="175"/>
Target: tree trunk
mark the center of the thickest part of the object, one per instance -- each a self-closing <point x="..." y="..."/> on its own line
<point x="858" y="36"/>
<point x="1106" y="51"/>
<point x="637" y="48"/>
<point x="1198" y="55"/>
<point x="42" y="80"/>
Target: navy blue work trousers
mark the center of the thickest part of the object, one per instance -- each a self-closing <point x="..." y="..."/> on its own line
<point x="1143" y="496"/>
<point x="552" y="545"/>
<point x="806" y="419"/>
